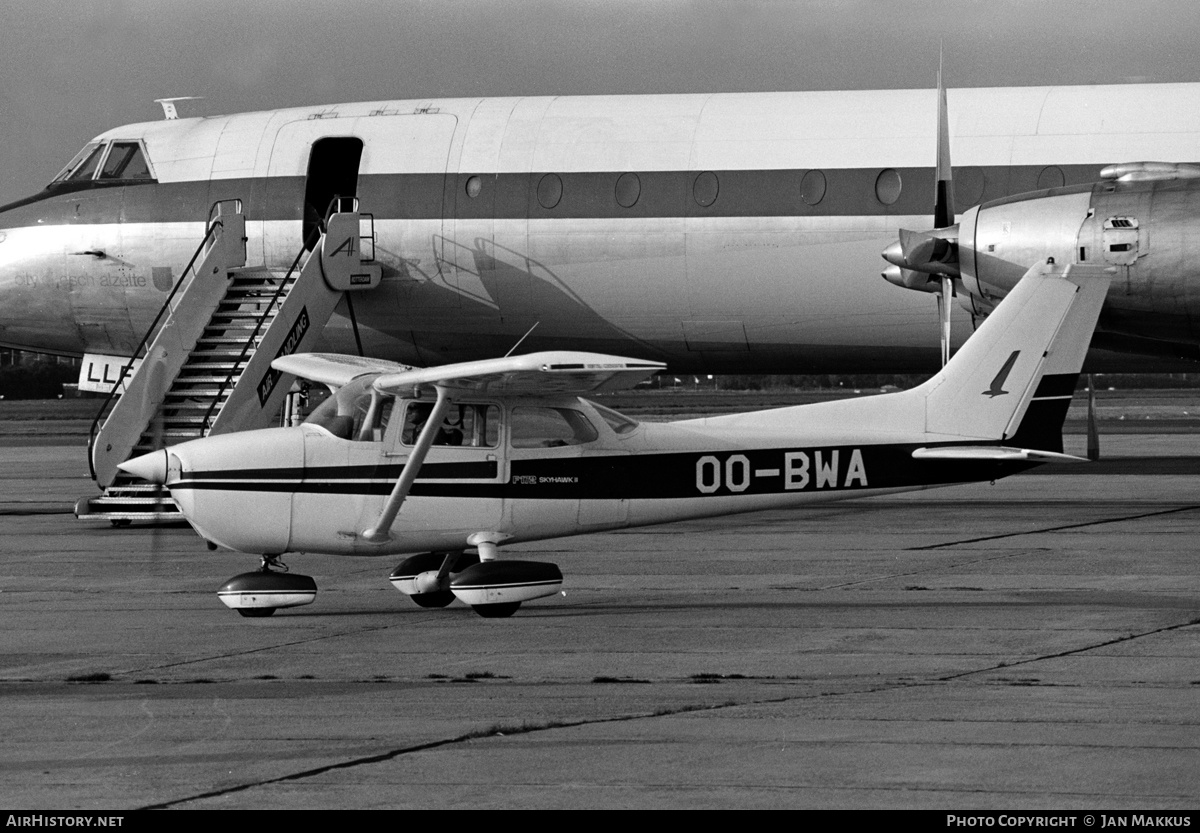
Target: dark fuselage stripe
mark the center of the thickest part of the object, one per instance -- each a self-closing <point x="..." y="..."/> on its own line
<point x="514" y="196"/>
<point x="646" y="476"/>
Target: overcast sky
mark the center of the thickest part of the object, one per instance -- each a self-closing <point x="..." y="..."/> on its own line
<point x="72" y="68"/>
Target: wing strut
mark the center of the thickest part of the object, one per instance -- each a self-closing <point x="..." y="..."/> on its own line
<point x="378" y="534"/>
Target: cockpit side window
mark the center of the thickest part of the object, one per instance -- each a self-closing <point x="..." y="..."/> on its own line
<point x="125" y="161"/>
<point x="539" y="427"/>
<point x="88" y="169"/>
<point x="465" y="424"/>
<point x="88" y="151"/>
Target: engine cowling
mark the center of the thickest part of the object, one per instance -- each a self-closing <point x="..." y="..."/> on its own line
<point x="1147" y="229"/>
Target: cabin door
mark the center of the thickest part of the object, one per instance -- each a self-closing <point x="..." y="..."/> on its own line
<point x="332" y="172"/>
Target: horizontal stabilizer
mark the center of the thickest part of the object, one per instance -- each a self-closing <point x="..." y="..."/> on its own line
<point x="557" y="371"/>
<point x="333" y="369"/>
<point x="1001" y="454"/>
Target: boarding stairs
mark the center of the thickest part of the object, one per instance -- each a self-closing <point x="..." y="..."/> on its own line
<point x="207" y="367"/>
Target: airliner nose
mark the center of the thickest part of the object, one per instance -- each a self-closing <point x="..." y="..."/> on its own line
<point x="151" y="467"/>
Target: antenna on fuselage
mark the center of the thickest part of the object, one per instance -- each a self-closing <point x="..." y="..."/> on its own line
<point x="522" y="338"/>
<point x="168" y="104"/>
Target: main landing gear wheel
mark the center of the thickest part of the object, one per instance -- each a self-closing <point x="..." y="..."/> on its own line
<point x="495" y="589"/>
<point x="499" y="610"/>
<point x="425" y="578"/>
<point x="436" y="598"/>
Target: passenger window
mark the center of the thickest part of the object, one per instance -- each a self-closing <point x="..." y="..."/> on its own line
<point x="465" y="425"/>
<point x="536" y="427"/>
<point x="125" y="161"/>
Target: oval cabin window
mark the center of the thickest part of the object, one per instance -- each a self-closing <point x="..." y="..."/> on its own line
<point x="549" y="191"/>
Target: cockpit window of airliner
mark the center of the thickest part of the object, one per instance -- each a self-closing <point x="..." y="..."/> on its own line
<point x="125" y="161"/>
<point x="110" y="163"/>
<point x="83" y="166"/>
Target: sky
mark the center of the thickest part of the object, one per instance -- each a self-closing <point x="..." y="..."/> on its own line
<point x="73" y="68"/>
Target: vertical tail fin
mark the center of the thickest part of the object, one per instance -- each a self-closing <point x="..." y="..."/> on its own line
<point x="1013" y="379"/>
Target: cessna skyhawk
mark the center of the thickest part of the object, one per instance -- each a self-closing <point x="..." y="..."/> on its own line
<point x="454" y="464"/>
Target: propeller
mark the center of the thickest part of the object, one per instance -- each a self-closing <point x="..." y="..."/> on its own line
<point x="928" y="260"/>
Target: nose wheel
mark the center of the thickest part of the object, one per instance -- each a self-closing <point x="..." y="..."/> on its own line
<point x="260" y="593"/>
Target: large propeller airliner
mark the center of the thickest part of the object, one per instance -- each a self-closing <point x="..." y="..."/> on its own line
<point x="725" y="232"/>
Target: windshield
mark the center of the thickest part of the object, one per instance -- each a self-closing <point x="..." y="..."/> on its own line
<point x="121" y="161"/>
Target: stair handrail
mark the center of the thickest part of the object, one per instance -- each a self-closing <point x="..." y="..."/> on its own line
<point x="213" y="225"/>
<point x="207" y="423"/>
<point x="338" y="205"/>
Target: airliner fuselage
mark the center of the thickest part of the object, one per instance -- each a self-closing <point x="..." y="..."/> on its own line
<point x="727" y="232"/>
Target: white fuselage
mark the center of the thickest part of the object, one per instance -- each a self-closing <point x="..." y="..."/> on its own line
<point x="735" y="232"/>
<point x="304" y="489"/>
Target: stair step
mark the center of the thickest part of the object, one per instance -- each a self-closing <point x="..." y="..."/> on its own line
<point x="206" y="379"/>
<point x="215" y="352"/>
<point x="232" y="327"/>
<point x="180" y="420"/>
<point x="183" y="417"/>
<point x="249" y="317"/>
<point x="221" y="368"/>
<point x="183" y="407"/>
<point x="221" y="340"/>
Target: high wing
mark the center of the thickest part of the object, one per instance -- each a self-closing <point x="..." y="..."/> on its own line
<point x="558" y="371"/>
<point x="532" y="374"/>
<point x="333" y="369"/>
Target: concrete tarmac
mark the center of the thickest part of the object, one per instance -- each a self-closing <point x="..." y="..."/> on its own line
<point x="1032" y="644"/>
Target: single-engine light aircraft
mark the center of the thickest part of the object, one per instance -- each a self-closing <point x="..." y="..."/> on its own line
<point x="452" y="463"/>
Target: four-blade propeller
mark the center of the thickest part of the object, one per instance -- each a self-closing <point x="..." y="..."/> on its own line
<point x="928" y="260"/>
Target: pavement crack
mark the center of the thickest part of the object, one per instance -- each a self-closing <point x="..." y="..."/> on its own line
<point x="1053" y="528"/>
<point x="1080" y="650"/>
<point x="260" y="649"/>
<point x="503" y="730"/>
<point x="382" y="757"/>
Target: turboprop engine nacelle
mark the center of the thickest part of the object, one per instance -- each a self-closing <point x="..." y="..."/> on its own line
<point x="1144" y="219"/>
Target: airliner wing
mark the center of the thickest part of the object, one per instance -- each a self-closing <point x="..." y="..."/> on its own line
<point x="333" y="369"/>
<point x="535" y="373"/>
